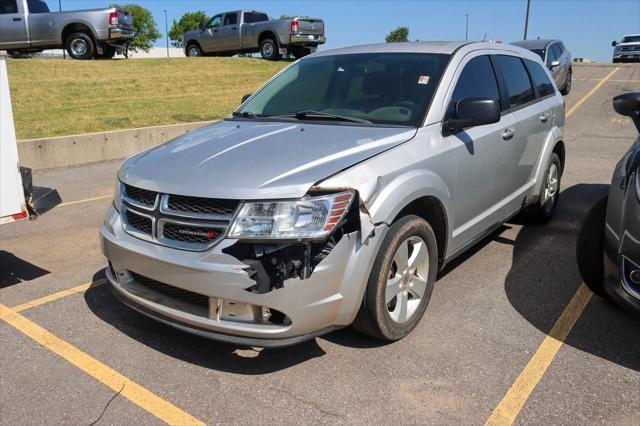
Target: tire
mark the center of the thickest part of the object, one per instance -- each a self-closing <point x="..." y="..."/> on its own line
<point x="567" y="84"/>
<point x="544" y="208"/>
<point x="389" y="290"/>
<point x="193" y="50"/>
<point x="301" y="52"/>
<point x="108" y="52"/>
<point x="269" y="49"/>
<point x="615" y="61"/>
<point x="80" y="46"/>
<point x="589" y="248"/>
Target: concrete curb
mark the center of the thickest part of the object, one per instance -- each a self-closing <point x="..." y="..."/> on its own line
<point x="62" y="151"/>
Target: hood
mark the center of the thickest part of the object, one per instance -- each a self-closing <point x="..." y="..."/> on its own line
<point x="256" y="160"/>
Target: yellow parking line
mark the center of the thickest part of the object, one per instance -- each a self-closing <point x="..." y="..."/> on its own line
<point x="135" y="393"/>
<point x="591" y="92"/>
<point x="58" y="295"/>
<point x="507" y="411"/>
<point x="511" y="404"/>
<point x="86" y="200"/>
<point x="609" y="81"/>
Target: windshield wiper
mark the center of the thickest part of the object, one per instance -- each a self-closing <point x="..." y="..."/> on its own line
<point x="308" y="113"/>
<point x="243" y="114"/>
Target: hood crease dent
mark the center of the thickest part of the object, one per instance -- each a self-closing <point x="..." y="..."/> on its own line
<point x="249" y="160"/>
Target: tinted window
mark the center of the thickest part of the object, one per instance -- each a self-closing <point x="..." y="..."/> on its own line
<point x="516" y="79"/>
<point x="251" y="17"/>
<point x="216" y="21"/>
<point x="383" y="88"/>
<point x="231" y="19"/>
<point x="551" y="55"/>
<point x="477" y="80"/>
<point x="630" y="39"/>
<point x="8" y="6"/>
<point x="539" y="52"/>
<point x="37" y="6"/>
<point x="540" y="79"/>
<point x="557" y="50"/>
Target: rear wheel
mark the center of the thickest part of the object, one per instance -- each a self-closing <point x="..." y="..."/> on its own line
<point x="542" y="210"/>
<point x="193" y="50"/>
<point x="567" y="84"/>
<point x="108" y="52"/>
<point x="269" y="49"/>
<point x="589" y="249"/>
<point x="80" y="46"/>
<point x="401" y="281"/>
<point x="300" y="52"/>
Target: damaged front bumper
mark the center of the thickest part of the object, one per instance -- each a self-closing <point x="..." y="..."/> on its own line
<point x="210" y="293"/>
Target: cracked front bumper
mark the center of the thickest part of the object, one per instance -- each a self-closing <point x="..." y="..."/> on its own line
<point x="329" y="299"/>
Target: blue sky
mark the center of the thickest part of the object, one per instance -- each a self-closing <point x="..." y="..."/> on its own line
<point x="587" y="27"/>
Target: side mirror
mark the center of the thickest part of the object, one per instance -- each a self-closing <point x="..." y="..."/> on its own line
<point x="614" y="43"/>
<point x="245" y="97"/>
<point x="554" y="64"/>
<point x="471" y="112"/>
<point x="628" y="104"/>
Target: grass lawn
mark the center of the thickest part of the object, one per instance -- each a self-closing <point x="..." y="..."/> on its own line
<point x="57" y="97"/>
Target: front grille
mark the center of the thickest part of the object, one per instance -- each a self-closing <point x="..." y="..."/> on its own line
<point x="171" y="291"/>
<point x="139" y="195"/>
<point x="141" y="223"/>
<point x="630" y="48"/>
<point x="198" y="205"/>
<point x="189" y="234"/>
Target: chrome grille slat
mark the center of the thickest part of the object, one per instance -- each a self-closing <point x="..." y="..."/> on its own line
<point x="191" y="223"/>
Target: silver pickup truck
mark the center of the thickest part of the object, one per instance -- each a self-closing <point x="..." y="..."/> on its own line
<point x="249" y="31"/>
<point x="29" y="26"/>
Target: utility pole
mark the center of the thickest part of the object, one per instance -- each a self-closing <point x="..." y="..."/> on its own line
<point x="166" y="30"/>
<point x="466" y="32"/>
<point x="64" y="53"/>
<point x="526" y="21"/>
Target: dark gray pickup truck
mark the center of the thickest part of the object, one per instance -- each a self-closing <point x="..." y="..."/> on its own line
<point x="29" y="26"/>
<point x="249" y="31"/>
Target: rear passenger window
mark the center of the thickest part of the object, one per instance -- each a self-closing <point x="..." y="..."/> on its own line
<point x="8" y="6"/>
<point x="516" y="79"/>
<point x="540" y="79"/>
<point x="230" y="19"/>
<point x="477" y="80"/>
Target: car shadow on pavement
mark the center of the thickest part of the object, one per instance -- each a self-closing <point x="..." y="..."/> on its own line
<point x="193" y="349"/>
<point x="544" y="277"/>
<point x="15" y="270"/>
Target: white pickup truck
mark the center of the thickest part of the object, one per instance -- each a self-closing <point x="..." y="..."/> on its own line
<point x="229" y="33"/>
<point x="627" y="49"/>
<point x="29" y="26"/>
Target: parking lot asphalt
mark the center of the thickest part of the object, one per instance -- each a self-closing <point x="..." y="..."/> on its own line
<point x="510" y="334"/>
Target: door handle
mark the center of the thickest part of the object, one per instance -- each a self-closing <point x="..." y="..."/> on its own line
<point x="508" y="134"/>
<point x="234" y="28"/>
<point x="17" y="19"/>
<point x="544" y="117"/>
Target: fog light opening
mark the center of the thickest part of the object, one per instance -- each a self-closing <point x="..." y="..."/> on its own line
<point x="634" y="276"/>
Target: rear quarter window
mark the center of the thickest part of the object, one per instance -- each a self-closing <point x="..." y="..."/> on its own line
<point x="516" y="80"/>
<point x="540" y="79"/>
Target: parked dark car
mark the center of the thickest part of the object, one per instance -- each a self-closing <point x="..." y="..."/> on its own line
<point x="557" y="58"/>
<point x="608" y="250"/>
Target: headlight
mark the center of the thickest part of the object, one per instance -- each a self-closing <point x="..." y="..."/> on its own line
<point x="117" y="195"/>
<point x="309" y="218"/>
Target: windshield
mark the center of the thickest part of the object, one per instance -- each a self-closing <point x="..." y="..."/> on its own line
<point x="381" y="88"/>
<point x="539" y="52"/>
<point x="631" y="39"/>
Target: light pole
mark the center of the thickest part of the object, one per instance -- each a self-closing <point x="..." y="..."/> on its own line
<point x="64" y="53"/>
<point x="526" y="21"/>
<point x="166" y="30"/>
<point x="466" y="31"/>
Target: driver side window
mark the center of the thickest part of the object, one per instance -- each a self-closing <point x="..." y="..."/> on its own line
<point x="477" y="80"/>
<point x="216" y="21"/>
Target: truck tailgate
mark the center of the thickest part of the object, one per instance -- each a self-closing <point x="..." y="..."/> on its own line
<point x="310" y="26"/>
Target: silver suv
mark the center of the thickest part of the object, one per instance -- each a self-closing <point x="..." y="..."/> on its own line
<point x="336" y="192"/>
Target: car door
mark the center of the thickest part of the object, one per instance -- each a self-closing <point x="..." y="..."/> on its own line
<point x="209" y="36"/>
<point x="42" y="24"/>
<point x="483" y="155"/>
<point x="556" y="71"/>
<point x="13" y="25"/>
<point x="532" y="116"/>
<point x="228" y="37"/>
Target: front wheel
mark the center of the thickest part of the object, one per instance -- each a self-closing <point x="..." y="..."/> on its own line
<point x="269" y="49"/>
<point x="80" y="46"/>
<point x="401" y="281"/>
<point x="193" y="50"/>
<point x="589" y="248"/>
<point x="567" y="84"/>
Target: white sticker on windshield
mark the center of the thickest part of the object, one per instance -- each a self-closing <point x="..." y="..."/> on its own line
<point x="423" y="79"/>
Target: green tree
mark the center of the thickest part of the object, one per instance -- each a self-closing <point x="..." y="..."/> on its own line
<point x="143" y="24"/>
<point x="189" y="21"/>
<point x="399" y="34"/>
